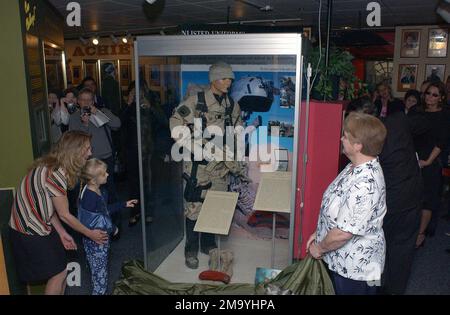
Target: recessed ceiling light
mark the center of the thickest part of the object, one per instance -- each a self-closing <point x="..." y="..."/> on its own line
<point x="127" y="38"/>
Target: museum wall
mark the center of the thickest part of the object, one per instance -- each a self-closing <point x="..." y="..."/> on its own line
<point x="15" y="140"/>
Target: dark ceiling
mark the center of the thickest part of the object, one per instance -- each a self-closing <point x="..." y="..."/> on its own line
<point x="105" y="17"/>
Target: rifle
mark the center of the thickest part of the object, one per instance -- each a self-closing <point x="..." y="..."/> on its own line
<point x="193" y="192"/>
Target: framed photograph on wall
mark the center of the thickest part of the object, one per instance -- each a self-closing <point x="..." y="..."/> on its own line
<point x="155" y="75"/>
<point x="437" y="42"/>
<point x="410" y="45"/>
<point x="76" y="74"/>
<point x="407" y="77"/>
<point x="435" y="73"/>
<point x="125" y="74"/>
<point x="90" y="69"/>
<point x="307" y="32"/>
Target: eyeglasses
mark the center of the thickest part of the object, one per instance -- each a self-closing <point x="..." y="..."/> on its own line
<point x="433" y="94"/>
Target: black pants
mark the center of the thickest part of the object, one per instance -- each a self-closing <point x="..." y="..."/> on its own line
<point x="111" y="188"/>
<point x="132" y="167"/>
<point x="207" y="240"/>
<point x="400" y="230"/>
<point x="432" y="179"/>
<point x="344" y="286"/>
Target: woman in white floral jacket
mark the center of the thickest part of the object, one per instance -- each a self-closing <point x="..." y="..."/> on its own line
<point x="349" y="235"/>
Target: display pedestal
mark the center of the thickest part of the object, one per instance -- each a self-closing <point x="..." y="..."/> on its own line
<point x="274" y="195"/>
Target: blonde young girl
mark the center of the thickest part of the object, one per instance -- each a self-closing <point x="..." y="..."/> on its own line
<point x="94" y="200"/>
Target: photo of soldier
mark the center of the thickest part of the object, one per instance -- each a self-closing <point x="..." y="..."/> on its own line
<point x="257" y="91"/>
<point x="285" y="129"/>
<point x="287" y="92"/>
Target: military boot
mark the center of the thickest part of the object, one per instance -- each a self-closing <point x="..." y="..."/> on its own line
<point x="226" y="262"/>
<point x="191" y="260"/>
<point x="213" y="259"/>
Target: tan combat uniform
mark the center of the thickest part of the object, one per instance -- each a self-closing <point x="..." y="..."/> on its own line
<point x="215" y="172"/>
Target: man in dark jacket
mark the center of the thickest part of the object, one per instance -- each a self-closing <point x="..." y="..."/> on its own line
<point x="404" y="190"/>
<point x="110" y="88"/>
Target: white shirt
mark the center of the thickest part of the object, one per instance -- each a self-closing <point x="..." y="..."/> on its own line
<point x="355" y="202"/>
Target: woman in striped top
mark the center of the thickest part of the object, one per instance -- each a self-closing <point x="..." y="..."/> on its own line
<point x="38" y="238"/>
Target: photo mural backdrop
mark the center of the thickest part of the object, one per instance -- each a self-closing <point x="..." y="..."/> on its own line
<point x="272" y="79"/>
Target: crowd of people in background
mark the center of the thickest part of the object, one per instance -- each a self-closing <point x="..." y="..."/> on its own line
<point x="413" y="156"/>
<point x="114" y="142"/>
<point x="412" y="151"/>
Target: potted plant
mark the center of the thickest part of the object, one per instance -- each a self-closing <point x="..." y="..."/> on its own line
<point x="339" y="82"/>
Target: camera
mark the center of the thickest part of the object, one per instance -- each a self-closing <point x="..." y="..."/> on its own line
<point x="86" y="111"/>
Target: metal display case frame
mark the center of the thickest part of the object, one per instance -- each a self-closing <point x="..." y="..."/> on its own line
<point x="220" y="45"/>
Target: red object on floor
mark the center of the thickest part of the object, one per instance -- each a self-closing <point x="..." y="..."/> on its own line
<point x="265" y="219"/>
<point x="214" y="276"/>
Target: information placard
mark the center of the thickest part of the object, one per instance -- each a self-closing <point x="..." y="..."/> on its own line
<point x="274" y="192"/>
<point x="217" y="212"/>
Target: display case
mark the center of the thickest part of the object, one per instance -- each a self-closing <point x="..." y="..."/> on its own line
<point x="267" y="86"/>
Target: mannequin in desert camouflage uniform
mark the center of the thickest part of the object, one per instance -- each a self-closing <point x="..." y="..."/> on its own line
<point x="215" y="108"/>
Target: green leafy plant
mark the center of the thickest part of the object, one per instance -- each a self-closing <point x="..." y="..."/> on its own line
<point x="341" y="74"/>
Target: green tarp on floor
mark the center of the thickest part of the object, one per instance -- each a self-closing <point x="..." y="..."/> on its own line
<point x="308" y="276"/>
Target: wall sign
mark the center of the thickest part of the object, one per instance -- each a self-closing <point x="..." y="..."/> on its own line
<point x="30" y="15"/>
<point x="102" y="50"/>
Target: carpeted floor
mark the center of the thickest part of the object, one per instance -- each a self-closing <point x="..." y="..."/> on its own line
<point x="431" y="268"/>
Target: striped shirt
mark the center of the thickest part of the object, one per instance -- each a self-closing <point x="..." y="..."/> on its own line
<point x="33" y="208"/>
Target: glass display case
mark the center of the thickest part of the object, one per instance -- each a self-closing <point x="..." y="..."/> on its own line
<point x="267" y="86"/>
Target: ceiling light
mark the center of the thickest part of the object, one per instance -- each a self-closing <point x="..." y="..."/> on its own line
<point x="127" y="38"/>
<point x="83" y="40"/>
<point x="95" y="40"/>
<point x="151" y="1"/>
<point x="114" y="39"/>
<point x="266" y="8"/>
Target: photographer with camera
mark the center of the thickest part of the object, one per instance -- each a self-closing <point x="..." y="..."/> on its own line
<point x="59" y="116"/>
<point x="69" y="100"/>
<point x="102" y="147"/>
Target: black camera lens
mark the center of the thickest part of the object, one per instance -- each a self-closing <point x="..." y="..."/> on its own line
<point x="86" y="110"/>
